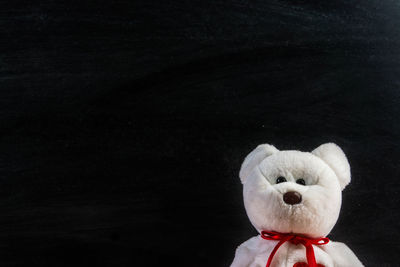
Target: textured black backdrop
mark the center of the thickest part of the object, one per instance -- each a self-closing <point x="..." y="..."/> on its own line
<point x="124" y="123"/>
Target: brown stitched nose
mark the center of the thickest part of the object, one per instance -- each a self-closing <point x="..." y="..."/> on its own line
<point x="292" y="198"/>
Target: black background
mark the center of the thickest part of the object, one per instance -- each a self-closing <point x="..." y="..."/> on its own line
<point x="124" y="123"/>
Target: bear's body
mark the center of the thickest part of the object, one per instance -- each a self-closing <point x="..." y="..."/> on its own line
<point x="255" y="252"/>
<point x="294" y="193"/>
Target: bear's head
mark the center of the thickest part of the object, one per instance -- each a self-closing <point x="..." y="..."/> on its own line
<point x="292" y="191"/>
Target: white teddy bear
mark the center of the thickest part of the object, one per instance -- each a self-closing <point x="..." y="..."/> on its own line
<point x="293" y="199"/>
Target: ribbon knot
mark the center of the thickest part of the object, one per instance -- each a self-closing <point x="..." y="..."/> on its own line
<point x="296" y="240"/>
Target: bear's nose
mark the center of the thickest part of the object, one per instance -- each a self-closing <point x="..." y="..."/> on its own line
<point x="292" y="198"/>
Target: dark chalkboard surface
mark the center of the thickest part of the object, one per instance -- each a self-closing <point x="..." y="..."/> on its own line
<point x="124" y="123"/>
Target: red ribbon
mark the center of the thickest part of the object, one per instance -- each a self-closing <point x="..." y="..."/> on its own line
<point x="295" y="239"/>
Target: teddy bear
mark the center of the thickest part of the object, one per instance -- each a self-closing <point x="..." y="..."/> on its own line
<point x="293" y="199"/>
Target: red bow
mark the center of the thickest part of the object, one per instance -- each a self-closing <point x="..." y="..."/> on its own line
<point x="295" y="239"/>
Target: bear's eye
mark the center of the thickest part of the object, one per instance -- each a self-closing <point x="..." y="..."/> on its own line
<point x="301" y="181"/>
<point x="280" y="179"/>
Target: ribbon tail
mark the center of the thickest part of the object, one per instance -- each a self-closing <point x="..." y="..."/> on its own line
<point x="310" y="255"/>
<point x="276" y="249"/>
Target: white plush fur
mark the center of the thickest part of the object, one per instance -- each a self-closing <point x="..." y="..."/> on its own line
<point x="326" y="172"/>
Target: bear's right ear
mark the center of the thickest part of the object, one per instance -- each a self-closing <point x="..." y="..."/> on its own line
<point x="334" y="156"/>
<point x="254" y="158"/>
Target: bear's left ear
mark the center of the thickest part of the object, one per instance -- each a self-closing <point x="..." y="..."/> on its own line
<point x="254" y="158"/>
<point x="333" y="155"/>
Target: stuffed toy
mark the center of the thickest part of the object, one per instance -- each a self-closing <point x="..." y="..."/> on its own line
<point x="293" y="199"/>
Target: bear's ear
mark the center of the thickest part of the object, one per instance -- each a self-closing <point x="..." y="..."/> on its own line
<point x="254" y="158"/>
<point x="333" y="156"/>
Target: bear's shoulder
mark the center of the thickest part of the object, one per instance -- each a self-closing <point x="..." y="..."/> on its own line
<point x="257" y="245"/>
<point x="253" y="251"/>
<point x="341" y="254"/>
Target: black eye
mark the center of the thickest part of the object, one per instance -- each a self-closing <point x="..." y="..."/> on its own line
<point x="301" y="181"/>
<point x="280" y="179"/>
